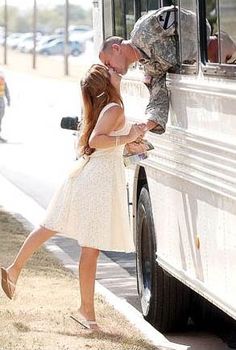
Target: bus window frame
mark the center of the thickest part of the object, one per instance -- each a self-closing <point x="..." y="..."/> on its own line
<point x="103" y="18"/>
<point x="208" y="68"/>
<point x="188" y="69"/>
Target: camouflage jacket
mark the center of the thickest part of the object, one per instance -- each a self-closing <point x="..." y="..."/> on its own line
<point x="155" y="36"/>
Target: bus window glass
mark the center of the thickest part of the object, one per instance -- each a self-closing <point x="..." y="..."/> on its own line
<point x="227" y="36"/>
<point x="143" y="6"/>
<point x="129" y="16"/>
<point x="153" y="5"/>
<point x="188" y="32"/>
<point x="222" y="44"/>
<point x="211" y="14"/>
<point x="108" y="30"/>
<point x="168" y="2"/>
<point x="119" y="18"/>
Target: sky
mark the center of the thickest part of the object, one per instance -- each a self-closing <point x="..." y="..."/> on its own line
<point x="86" y="4"/>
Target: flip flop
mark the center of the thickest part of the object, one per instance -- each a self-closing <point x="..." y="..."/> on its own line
<point x="86" y="324"/>
<point x="7" y="286"/>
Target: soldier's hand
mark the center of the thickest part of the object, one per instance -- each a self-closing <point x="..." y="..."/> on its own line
<point x="134" y="148"/>
<point x="151" y="124"/>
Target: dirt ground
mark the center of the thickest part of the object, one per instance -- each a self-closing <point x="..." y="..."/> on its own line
<point x="47" y="294"/>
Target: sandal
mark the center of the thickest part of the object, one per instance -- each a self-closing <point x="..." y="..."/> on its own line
<point x="7" y="285"/>
<point x="86" y="324"/>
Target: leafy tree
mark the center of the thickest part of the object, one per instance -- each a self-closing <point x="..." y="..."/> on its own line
<point x="48" y="19"/>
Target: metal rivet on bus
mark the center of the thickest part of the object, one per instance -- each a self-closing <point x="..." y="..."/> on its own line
<point x="198" y="242"/>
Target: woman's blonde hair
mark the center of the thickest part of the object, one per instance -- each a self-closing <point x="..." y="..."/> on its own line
<point x="97" y="92"/>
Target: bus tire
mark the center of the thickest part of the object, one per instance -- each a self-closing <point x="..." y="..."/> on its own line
<point x="164" y="300"/>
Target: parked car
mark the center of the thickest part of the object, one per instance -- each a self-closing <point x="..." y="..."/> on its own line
<point x="13" y="39"/>
<point x="27" y="39"/>
<point x="56" y="47"/>
<point x="40" y="41"/>
<point x="82" y="36"/>
<point x="2" y="38"/>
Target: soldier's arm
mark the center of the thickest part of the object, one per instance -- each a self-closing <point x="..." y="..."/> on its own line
<point x="158" y="106"/>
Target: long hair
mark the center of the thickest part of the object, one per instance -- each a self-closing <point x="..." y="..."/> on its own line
<point x="97" y="92"/>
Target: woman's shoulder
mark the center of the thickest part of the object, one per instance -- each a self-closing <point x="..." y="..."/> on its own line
<point x="112" y="107"/>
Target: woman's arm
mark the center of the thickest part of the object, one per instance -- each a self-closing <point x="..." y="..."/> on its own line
<point x="112" y="120"/>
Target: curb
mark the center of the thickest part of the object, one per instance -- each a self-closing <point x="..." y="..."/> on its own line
<point x="14" y="200"/>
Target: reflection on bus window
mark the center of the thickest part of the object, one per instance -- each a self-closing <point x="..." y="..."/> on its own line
<point x="149" y="5"/>
<point x="222" y="43"/>
<point x="153" y="5"/>
<point x="129" y="16"/>
<point x="119" y="18"/>
<point x="188" y="32"/>
<point x="143" y="6"/>
<point x="108" y="29"/>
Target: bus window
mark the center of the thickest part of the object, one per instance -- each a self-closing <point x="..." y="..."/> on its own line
<point x="227" y="33"/>
<point x="107" y="18"/>
<point x="222" y="43"/>
<point x="129" y="16"/>
<point x="143" y="7"/>
<point x="149" y="5"/>
<point x="119" y="18"/>
<point x="188" y="38"/>
<point x="153" y="5"/>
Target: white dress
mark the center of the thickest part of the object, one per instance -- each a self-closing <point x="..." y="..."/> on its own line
<point x="91" y="205"/>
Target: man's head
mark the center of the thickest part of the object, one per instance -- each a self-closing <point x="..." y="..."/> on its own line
<point x="116" y="53"/>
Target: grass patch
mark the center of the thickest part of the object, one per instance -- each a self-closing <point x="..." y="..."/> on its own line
<point x="47" y="294"/>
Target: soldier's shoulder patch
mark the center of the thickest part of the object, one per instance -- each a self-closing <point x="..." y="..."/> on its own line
<point x="167" y="19"/>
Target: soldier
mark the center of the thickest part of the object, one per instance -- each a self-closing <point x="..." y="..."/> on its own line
<point x="153" y="44"/>
<point x="4" y="93"/>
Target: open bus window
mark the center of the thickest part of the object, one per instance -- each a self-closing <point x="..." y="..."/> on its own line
<point x="222" y="42"/>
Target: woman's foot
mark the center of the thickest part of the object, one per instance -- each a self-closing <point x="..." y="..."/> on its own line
<point x="8" y="285"/>
<point x="85" y="321"/>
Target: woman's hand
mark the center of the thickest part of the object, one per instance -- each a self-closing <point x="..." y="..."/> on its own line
<point x="137" y="131"/>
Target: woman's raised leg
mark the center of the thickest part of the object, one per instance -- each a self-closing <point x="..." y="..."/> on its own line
<point x="35" y="239"/>
<point x="87" y="274"/>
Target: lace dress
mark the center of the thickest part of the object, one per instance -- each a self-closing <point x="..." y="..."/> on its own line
<point x="91" y="205"/>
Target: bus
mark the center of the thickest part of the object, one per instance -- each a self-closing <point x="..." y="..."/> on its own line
<point x="182" y="198"/>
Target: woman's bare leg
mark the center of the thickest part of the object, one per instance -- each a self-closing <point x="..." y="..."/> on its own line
<point x="35" y="239"/>
<point x="87" y="274"/>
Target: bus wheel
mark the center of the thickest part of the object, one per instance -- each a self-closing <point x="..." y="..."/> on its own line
<point x="164" y="300"/>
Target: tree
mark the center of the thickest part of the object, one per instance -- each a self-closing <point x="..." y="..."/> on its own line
<point x="48" y="18"/>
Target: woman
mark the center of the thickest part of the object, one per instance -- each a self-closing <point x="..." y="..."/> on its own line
<point x="91" y="205"/>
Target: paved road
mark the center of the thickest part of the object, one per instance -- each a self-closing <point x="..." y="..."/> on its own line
<point x="37" y="157"/>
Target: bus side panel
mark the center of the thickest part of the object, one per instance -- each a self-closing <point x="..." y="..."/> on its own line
<point x="195" y="235"/>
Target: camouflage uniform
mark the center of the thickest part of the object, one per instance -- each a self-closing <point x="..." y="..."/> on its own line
<point x="155" y="36"/>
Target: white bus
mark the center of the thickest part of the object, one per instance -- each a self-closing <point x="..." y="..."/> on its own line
<point x="183" y="196"/>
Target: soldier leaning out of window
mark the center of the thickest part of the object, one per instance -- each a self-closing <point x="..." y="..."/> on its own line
<point x="153" y="44"/>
